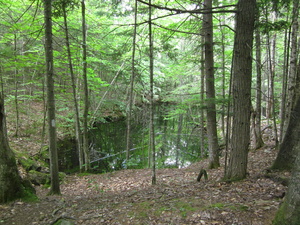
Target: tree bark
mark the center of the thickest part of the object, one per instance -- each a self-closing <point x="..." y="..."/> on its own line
<point x="10" y="181"/>
<point x="16" y="87"/>
<point x="77" y="118"/>
<point x="55" y="189"/>
<point x="286" y="157"/>
<point x="271" y="63"/>
<point x="289" y="212"/>
<point x="258" y="141"/>
<point x="202" y="90"/>
<point x="210" y="88"/>
<point x="152" y="134"/>
<point x="285" y="71"/>
<point x="129" y="111"/>
<point x="86" y="91"/>
<point x="293" y="65"/>
<point x="241" y="90"/>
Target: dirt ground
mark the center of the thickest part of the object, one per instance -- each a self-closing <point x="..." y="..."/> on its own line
<point x="127" y="197"/>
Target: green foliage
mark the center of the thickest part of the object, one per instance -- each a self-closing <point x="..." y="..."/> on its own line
<point x="134" y="163"/>
<point x="267" y="27"/>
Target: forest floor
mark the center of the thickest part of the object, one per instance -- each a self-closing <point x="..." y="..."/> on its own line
<point x="127" y="197"/>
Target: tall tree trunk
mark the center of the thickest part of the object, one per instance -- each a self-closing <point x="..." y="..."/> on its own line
<point x="202" y="90"/>
<point x="271" y="64"/>
<point x="129" y="111"/>
<point x="289" y="212"/>
<point x="223" y="78"/>
<point x="293" y="64"/>
<point x="210" y="88"/>
<point x="86" y="91"/>
<point x="55" y="189"/>
<point x="258" y="141"/>
<point x="77" y="120"/>
<point x="10" y="181"/>
<point x="241" y="89"/>
<point x="152" y="134"/>
<point x="285" y="71"/>
<point x="286" y="156"/>
<point x="16" y="87"/>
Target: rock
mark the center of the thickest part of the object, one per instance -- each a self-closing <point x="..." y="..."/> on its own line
<point x="38" y="178"/>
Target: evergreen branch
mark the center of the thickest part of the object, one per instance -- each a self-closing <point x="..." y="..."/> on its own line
<point x="197" y="11"/>
<point x="177" y="31"/>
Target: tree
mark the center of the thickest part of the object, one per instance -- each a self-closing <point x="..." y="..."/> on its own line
<point x="289" y="147"/>
<point x="210" y="87"/>
<point x="10" y="181"/>
<point x="86" y="91"/>
<point x="55" y="189"/>
<point x="77" y="116"/>
<point x="286" y="156"/>
<point x="258" y="141"/>
<point x="284" y="80"/>
<point x="289" y="212"/>
<point x="292" y="90"/>
<point x="130" y="104"/>
<point x="151" y="121"/>
<point x="241" y="90"/>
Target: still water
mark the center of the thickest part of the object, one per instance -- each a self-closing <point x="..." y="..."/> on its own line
<point x="177" y="141"/>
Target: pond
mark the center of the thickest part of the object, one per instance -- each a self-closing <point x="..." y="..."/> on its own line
<point x="177" y="141"/>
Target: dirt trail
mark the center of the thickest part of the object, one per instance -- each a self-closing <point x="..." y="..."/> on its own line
<point x="127" y="197"/>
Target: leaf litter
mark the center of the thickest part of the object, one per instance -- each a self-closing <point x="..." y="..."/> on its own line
<point x="127" y="197"/>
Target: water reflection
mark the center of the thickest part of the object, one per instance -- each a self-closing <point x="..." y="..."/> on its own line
<point x="177" y="142"/>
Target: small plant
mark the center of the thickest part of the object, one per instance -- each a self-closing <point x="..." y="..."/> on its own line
<point x="184" y="207"/>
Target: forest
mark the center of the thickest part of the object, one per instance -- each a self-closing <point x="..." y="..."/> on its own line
<point x="149" y="112"/>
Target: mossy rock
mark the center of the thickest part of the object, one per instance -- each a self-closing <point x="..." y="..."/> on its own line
<point x="27" y="163"/>
<point x="38" y="178"/>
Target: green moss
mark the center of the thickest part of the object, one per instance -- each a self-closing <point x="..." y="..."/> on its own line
<point x="142" y="210"/>
<point x="29" y="194"/>
<point x="84" y="174"/>
<point x="64" y="222"/>
<point x="218" y="205"/>
<point x="280" y="216"/>
<point x="39" y="178"/>
<point x="26" y="162"/>
<point x="221" y="205"/>
<point x="159" y="211"/>
<point x="184" y="210"/>
<point x="239" y="207"/>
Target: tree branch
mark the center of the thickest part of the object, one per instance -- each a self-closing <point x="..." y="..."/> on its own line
<point x="197" y="11"/>
<point x="177" y="31"/>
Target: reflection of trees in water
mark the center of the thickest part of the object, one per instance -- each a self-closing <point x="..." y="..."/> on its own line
<point x="177" y="142"/>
